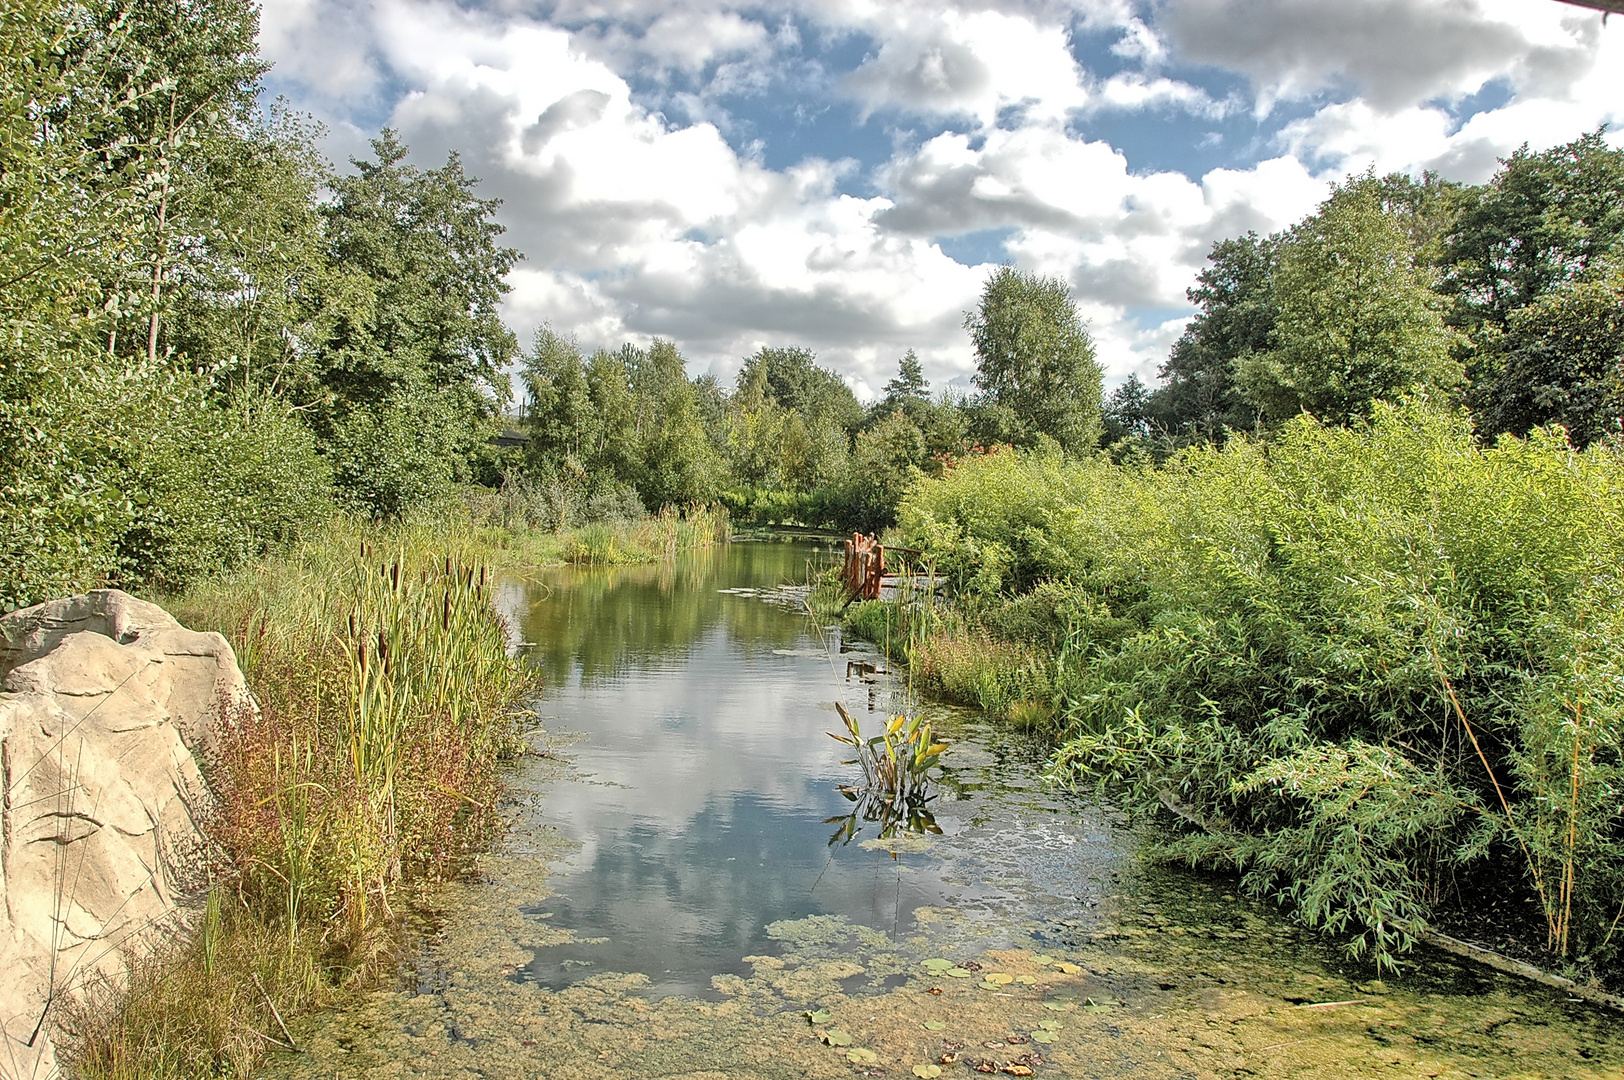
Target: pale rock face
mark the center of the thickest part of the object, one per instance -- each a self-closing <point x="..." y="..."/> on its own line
<point x="106" y="701"/>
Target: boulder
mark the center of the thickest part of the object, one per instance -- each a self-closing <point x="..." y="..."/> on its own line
<point x="108" y="704"/>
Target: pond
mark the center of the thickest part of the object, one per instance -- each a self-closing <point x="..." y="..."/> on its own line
<point x="671" y="897"/>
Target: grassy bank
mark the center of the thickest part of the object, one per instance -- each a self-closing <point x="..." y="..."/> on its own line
<point x="1380" y="664"/>
<point x="387" y="701"/>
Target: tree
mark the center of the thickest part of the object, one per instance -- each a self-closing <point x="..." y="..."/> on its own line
<point x="559" y="416"/>
<point x="415" y="326"/>
<point x="792" y="379"/>
<point x="885" y="462"/>
<point x="1356" y="319"/>
<point x="1125" y="413"/>
<point x="1542" y="220"/>
<point x="1199" y="400"/>
<point x="910" y="383"/>
<point x="1035" y="361"/>
<point x="1561" y="361"/>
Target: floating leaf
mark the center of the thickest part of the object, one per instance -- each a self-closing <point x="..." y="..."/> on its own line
<point x="1050" y="1025"/>
<point x="1044" y="1037"/>
<point x="934" y="1025"/>
<point x="957" y="973"/>
<point x="860" y="1056"/>
<point x="1000" y="978"/>
<point x="836" y="1037"/>
<point x="936" y="966"/>
<point x="1042" y="961"/>
<point x="1099" y="1004"/>
<point x="1027" y="980"/>
<point x="1057" y="1006"/>
<point x="927" y="1072"/>
<point x="986" y="984"/>
<point x="1069" y="969"/>
<point x="821" y="1016"/>
<point x="1017" y="1069"/>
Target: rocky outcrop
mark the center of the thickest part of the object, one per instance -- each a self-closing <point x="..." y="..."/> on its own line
<point x="107" y="704"/>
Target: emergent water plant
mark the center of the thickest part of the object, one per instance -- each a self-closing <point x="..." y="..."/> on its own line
<point x="896" y="782"/>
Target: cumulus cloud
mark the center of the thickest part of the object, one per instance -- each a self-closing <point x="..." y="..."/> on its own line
<point x="611" y="129"/>
<point x="1395" y="53"/>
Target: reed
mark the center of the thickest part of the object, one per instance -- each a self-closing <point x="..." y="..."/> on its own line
<point x="387" y="698"/>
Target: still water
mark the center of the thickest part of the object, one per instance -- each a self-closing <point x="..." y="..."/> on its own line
<point x="664" y="900"/>
<point x="696" y="705"/>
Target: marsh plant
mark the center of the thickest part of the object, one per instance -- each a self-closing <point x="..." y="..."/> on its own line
<point x="896" y="783"/>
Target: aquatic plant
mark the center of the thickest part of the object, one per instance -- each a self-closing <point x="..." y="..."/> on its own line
<point x="387" y="697"/>
<point x="896" y="768"/>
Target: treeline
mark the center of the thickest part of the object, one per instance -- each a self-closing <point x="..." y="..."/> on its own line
<point x="1507" y="298"/>
<point x="789" y="442"/>
<point x="211" y="337"/>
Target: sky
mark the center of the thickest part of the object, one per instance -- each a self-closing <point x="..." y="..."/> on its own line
<point x="843" y="175"/>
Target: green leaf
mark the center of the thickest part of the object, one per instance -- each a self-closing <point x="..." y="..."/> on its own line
<point x="819" y="1016"/>
<point x="836" y="1037"/>
<point x="934" y="1025"/>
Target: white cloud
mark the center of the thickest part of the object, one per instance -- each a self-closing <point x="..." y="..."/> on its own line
<point x="1396" y="53"/>
<point x="637" y="223"/>
<point x="970" y="64"/>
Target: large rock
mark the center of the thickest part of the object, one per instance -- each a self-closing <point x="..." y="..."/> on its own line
<point x="107" y="704"/>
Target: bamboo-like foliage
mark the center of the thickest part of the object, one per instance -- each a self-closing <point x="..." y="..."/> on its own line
<point x="1383" y="666"/>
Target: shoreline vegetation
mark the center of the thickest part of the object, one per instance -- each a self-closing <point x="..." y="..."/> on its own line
<point x="1372" y="670"/>
<point x="387" y="702"/>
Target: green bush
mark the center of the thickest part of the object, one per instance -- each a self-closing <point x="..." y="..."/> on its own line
<point x="1337" y="651"/>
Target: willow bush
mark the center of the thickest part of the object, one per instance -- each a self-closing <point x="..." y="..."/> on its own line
<point x="1367" y="667"/>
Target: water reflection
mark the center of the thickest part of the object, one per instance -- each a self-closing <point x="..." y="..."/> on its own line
<point x="704" y="780"/>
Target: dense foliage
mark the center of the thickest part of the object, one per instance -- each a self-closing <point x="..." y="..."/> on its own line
<point x="1378" y="663"/>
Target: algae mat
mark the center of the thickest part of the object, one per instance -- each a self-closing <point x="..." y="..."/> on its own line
<point x="1196" y="984"/>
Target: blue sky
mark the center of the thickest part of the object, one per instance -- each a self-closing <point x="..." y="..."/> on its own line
<point x="843" y="174"/>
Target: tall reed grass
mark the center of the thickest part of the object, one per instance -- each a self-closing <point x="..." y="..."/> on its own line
<point x="386" y="699"/>
<point x="660" y="536"/>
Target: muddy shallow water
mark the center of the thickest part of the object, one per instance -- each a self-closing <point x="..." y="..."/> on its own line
<point x="665" y="901"/>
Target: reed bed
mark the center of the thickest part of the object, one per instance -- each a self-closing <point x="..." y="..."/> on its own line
<point x="651" y="539"/>
<point x="387" y="698"/>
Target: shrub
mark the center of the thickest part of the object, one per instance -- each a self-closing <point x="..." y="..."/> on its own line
<point x="1376" y="661"/>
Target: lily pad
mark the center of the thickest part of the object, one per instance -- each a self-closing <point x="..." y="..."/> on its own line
<point x="1058" y="1006"/>
<point x="1067" y="968"/>
<point x="937" y="965"/>
<point x="1042" y="960"/>
<point x="860" y="1056"/>
<point x="987" y="984"/>
<point x="1027" y="980"/>
<point x="836" y="1037"/>
<point x="1099" y="1004"/>
<point x="957" y="973"/>
<point x="927" y="1072"/>
<point x="1050" y="1025"/>
<point x="1041" y="1036"/>
<point x="820" y="1016"/>
<point x="935" y="1025"/>
<point x="1000" y="978"/>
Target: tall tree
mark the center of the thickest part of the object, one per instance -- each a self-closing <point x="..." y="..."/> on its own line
<point x="1199" y="400"/>
<point x="1035" y="361"/>
<point x="417" y="351"/>
<point x="1543" y="219"/>
<point x="791" y="378"/>
<point x="1561" y="361"/>
<point x="1356" y="318"/>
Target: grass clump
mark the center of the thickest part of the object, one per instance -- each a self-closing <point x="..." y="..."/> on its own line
<point x="1378" y="665"/>
<point x="387" y="697"/>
